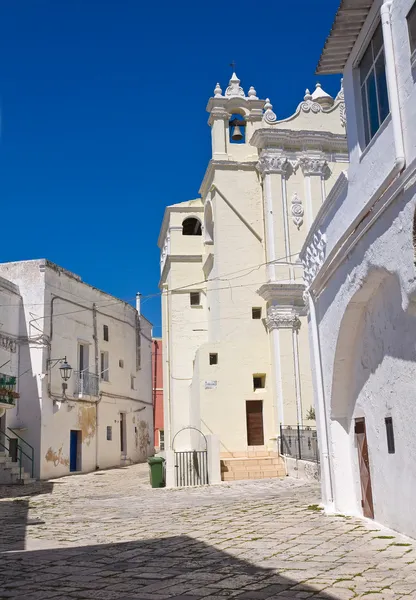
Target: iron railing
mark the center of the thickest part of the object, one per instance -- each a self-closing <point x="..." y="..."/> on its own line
<point x="85" y="383"/>
<point x="28" y="453"/>
<point x="299" y="442"/>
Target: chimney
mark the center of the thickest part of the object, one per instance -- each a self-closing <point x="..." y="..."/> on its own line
<point x="138" y="298"/>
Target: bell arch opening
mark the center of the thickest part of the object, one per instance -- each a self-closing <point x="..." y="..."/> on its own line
<point x="191" y="226"/>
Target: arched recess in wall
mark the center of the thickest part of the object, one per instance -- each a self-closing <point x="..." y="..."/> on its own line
<point x="208" y="223"/>
<point x="343" y="392"/>
<point x="191" y="226"/>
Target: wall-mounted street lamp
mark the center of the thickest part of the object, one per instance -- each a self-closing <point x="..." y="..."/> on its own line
<point x="65" y="370"/>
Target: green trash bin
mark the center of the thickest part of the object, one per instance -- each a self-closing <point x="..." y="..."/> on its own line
<point x="156" y="465"/>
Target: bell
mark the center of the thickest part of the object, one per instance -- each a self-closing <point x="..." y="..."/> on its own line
<point x="237" y="135"/>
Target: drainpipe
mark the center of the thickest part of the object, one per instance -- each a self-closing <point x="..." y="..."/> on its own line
<point x="95" y="338"/>
<point x="327" y="486"/>
<point x="155" y="359"/>
<point x="392" y="86"/>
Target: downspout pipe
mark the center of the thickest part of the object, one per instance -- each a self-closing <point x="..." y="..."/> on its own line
<point x="393" y="91"/>
<point x="321" y="409"/>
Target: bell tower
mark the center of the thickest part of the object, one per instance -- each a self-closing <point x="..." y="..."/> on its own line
<point x="233" y="119"/>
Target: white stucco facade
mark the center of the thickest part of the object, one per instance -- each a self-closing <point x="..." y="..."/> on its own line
<point x="359" y="262"/>
<point x="104" y="417"/>
<point x="244" y="339"/>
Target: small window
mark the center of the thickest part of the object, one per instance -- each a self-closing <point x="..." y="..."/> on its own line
<point x="132" y="382"/>
<point x="191" y="226"/>
<point x="373" y="82"/>
<point x="390" y="435"/>
<point x="104" y="374"/>
<point x="195" y="298"/>
<point x="161" y="439"/>
<point x="109" y="433"/>
<point x="256" y="313"/>
<point x="213" y="359"/>
<point x="411" y="24"/>
<point x="105" y="333"/>
<point x="121" y="363"/>
<point x="259" y="382"/>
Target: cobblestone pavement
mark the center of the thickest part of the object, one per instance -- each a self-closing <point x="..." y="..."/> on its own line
<point x="108" y="535"/>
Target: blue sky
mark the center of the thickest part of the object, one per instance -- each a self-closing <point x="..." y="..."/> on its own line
<point x="104" y="123"/>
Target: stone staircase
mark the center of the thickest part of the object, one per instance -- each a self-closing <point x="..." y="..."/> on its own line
<point x="255" y="464"/>
<point x="10" y="472"/>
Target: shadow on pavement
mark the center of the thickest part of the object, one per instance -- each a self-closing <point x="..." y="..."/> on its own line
<point x="171" y="567"/>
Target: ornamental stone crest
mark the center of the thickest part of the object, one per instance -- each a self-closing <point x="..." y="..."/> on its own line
<point x="280" y="318"/>
<point x="269" y="116"/>
<point x="308" y="105"/>
<point x="297" y="211"/>
<point x="234" y="88"/>
<point x="164" y="253"/>
<point x="314" y="257"/>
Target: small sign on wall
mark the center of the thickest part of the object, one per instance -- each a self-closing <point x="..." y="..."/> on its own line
<point x="210" y="385"/>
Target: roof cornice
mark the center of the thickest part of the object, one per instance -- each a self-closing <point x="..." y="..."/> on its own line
<point x="349" y="20"/>
<point x="288" y="139"/>
<point x="171" y="258"/>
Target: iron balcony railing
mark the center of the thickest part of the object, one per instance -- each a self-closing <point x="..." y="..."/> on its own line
<point x="299" y="442"/>
<point x="86" y="383"/>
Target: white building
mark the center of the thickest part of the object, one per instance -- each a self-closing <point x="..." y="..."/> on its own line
<point x="359" y="262"/>
<point x="103" y="417"/>
<point x="235" y="336"/>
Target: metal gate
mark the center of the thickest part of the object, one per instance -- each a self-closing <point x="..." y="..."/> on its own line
<point x="191" y="466"/>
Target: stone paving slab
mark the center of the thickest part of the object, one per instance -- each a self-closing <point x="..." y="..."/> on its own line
<point x="108" y="535"/>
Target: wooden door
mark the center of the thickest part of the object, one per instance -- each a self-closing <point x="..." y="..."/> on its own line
<point x="254" y="412"/>
<point x="364" y="465"/>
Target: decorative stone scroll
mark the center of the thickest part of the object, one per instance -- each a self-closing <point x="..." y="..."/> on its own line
<point x="165" y="252"/>
<point x="8" y="343"/>
<point x="314" y="257"/>
<point x="281" y="318"/>
<point x="297" y="211"/>
<point x="313" y="166"/>
<point x="269" y="163"/>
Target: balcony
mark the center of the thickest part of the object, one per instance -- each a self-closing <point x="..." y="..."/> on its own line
<point x="8" y="394"/>
<point x="85" y="383"/>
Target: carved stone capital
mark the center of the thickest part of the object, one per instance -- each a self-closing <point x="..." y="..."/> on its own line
<point x="218" y="113"/>
<point x="269" y="163"/>
<point x="313" y="166"/>
<point x="314" y="257"/>
<point x="280" y="318"/>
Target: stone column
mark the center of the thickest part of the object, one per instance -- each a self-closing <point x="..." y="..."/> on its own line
<point x="278" y="318"/>
<point x="218" y="121"/>
<point x="315" y="171"/>
<point x="268" y="165"/>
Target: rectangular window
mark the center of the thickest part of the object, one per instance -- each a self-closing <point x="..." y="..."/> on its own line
<point x="373" y="83"/>
<point x="121" y="363"/>
<point x="104" y="375"/>
<point x="195" y="298"/>
<point x="259" y="382"/>
<point x="256" y="313"/>
<point x="213" y="359"/>
<point x="109" y="433"/>
<point x="105" y="333"/>
<point x="411" y="24"/>
<point x="161" y="439"/>
<point x="390" y="435"/>
<point x="132" y="382"/>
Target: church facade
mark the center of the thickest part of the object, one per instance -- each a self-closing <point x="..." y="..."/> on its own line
<point x="235" y="339"/>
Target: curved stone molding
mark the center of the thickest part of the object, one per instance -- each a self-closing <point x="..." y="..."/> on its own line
<point x="269" y="163"/>
<point x="269" y="116"/>
<point x="314" y="257"/>
<point x="297" y="211"/>
<point x="282" y="319"/>
<point x="313" y="166"/>
<point x="341" y="99"/>
<point x="165" y="252"/>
